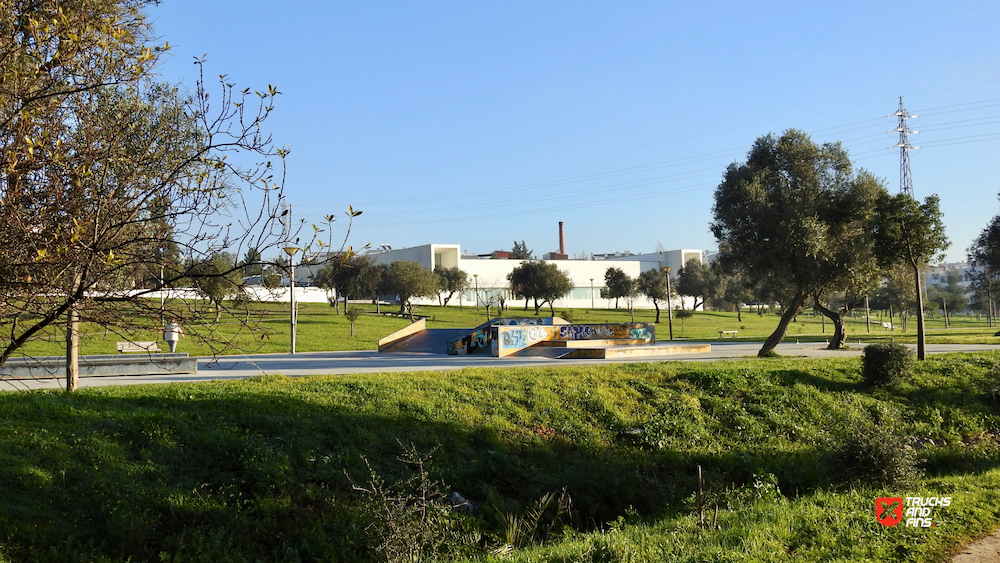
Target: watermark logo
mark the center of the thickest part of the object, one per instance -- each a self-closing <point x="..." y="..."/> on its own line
<point x="889" y="510"/>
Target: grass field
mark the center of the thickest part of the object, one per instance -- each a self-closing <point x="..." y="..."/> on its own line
<point x="320" y="329"/>
<point x="270" y="469"/>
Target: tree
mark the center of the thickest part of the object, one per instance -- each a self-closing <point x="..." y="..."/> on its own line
<point x="698" y="280"/>
<point x="796" y="219"/>
<point x="101" y="168"/>
<point x="409" y="280"/>
<point x="338" y="276"/>
<point x="541" y="281"/>
<point x="617" y="283"/>
<point x="217" y="279"/>
<point x="735" y="291"/>
<point x="521" y="251"/>
<point x="653" y="284"/>
<point x="452" y="280"/>
<point x="986" y="248"/>
<point x="912" y="233"/>
<point x="370" y="280"/>
<point x="951" y="297"/>
<point x="251" y="263"/>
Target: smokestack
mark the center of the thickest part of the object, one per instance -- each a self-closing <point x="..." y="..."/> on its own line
<point x="562" y="239"/>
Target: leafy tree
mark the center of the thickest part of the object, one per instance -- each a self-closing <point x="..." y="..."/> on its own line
<point x="896" y="294"/>
<point x="251" y="263"/>
<point x="735" y="291"/>
<point x="338" y="276"/>
<point x="912" y="233"/>
<point x="521" y="251"/>
<point x="541" y="281"/>
<point x="653" y="284"/>
<point x="452" y="280"/>
<point x="369" y="281"/>
<point x="618" y="284"/>
<point x="986" y="248"/>
<point x="984" y="294"/>
<point x="409" y="280"/>
<point x="217" y="279"/>
<point x="101" y="168"/>
<point x="951" y="297"/>
<point x="795" y="218"/>
<point x="696" y="279"/>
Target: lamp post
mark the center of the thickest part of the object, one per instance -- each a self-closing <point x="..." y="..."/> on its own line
<point x="476" y="276"/>
<point x="591" y="293"/>
<point x="670" y="306"/>
<point x="290" y="251"/>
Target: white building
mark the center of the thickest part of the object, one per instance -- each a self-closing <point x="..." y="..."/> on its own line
<point x="487" y="275"/>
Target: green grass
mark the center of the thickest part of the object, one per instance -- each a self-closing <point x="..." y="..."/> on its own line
<point x="320" y="329"/>
<point x="262" y="469"/>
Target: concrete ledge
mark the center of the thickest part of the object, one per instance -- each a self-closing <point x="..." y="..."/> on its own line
<point x="98" y="365"/>
<point x="618" y="352"/>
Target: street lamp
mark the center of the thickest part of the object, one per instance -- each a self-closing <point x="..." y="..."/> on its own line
<point x="591" y="293"/>
<point x="670" y="306"/>
<point x="290" y="251"/>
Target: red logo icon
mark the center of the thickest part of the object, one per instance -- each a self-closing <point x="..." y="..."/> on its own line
<point x="889" y="510"/>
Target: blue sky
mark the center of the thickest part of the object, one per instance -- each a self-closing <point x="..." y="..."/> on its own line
<point x="481" y="123"/>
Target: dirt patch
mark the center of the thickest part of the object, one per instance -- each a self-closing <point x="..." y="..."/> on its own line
<point x="985" y="550"/>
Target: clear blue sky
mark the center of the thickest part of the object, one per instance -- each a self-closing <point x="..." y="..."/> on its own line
<point x="481" y="123"/>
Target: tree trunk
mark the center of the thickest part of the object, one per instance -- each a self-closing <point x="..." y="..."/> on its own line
<point x="739" y="313"/>
<point x="839" y="335"/>
<point x="526" y="299"/>
<point x="218" y="313"/>
<point x="447" y="299"/>
<point x="657" y="305"/>
<point x="537" y="306"/>
<point x="921" y="352"/>
<point x="72" y="350"/>
<point x="779" y="333"/>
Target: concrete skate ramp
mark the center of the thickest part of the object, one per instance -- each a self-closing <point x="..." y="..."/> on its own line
<point x="426" y="341"/>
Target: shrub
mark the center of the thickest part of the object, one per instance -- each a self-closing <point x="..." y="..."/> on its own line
<point x="567" y="315"/>
<point x="886" y="364"/>
<point x="875" y="455"/>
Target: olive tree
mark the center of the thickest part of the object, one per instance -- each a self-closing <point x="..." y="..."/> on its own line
<point x="795" y="218"/>
<point x="541" y="281"/>
<point x="409" y="280"/>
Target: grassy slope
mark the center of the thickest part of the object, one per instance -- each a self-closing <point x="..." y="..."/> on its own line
<point x="257" y="470"/>
<point x="319" y="329"/>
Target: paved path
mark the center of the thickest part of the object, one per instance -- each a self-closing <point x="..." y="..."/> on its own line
<point x="370" y="361"/>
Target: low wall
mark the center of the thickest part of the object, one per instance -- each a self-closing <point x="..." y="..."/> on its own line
<point x="102" y="364"/>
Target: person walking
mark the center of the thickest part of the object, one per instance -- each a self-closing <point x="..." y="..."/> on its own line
<point x="172" y="333"/>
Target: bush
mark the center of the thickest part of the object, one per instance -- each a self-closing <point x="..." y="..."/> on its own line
<point x="874" y="455"/>
<point x="567" y="315"/>
<point x="884" y="365"/>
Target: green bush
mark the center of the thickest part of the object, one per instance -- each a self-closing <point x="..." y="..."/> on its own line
<point x="875" y="455"/>
<point x="886" y="364"/>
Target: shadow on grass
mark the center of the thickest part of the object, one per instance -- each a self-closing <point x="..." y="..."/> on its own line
<point x="189" y="473"/>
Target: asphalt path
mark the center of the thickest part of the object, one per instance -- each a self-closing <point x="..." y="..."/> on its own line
<point x="370" y="361"/>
